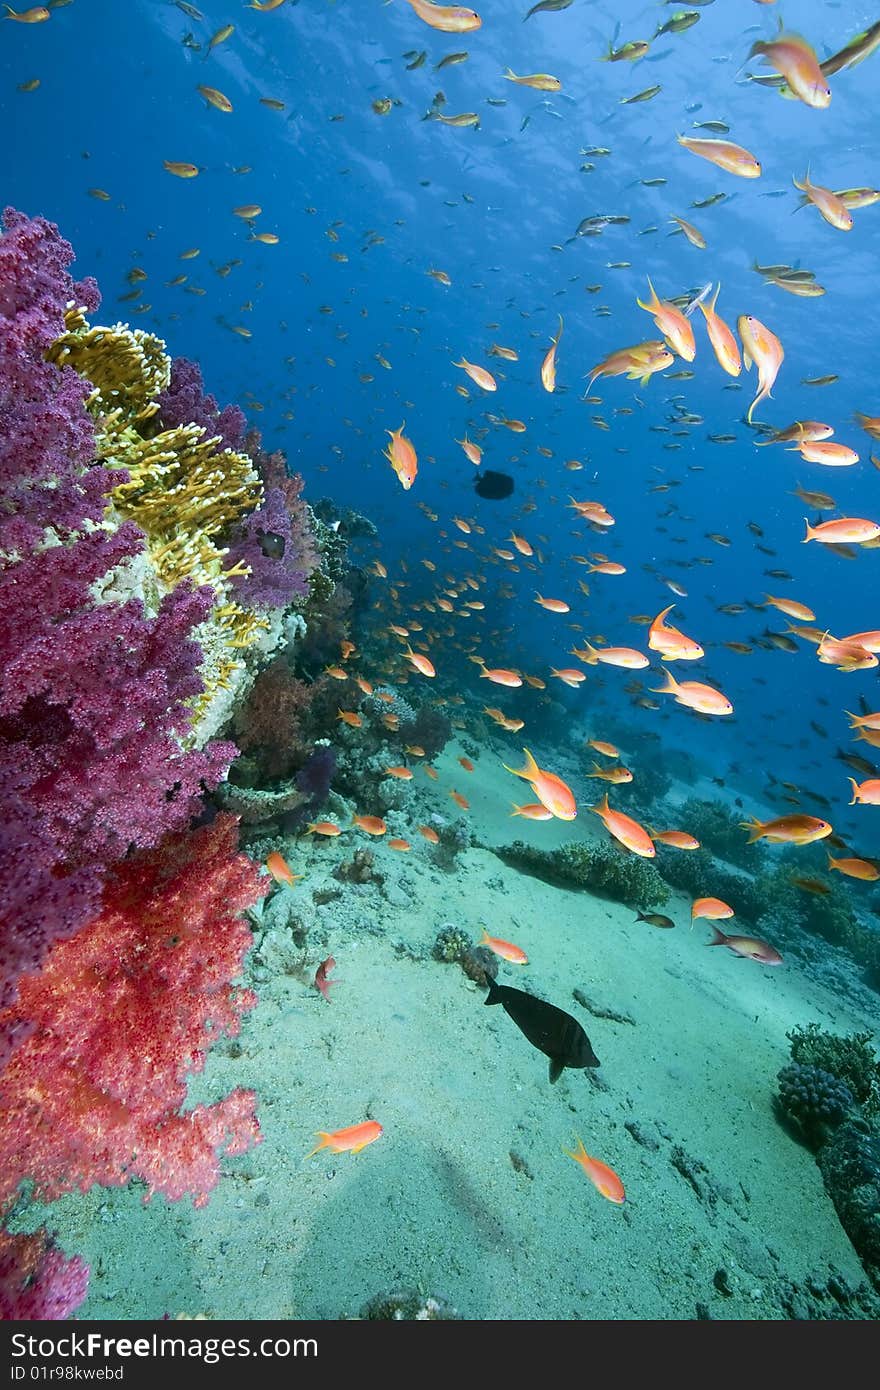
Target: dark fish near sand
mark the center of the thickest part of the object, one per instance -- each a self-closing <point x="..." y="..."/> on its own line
<point x="551" y="1030"/>
<point x="655" y="919"/>
<point x="492" y="485"/>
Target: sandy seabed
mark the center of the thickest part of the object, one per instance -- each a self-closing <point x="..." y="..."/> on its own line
<point x="467" y="1194"/>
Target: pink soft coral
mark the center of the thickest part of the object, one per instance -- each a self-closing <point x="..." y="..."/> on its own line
<point x="116" y="1019"/>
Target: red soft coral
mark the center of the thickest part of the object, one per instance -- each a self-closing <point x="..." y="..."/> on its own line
<point x="117" y="1018"/>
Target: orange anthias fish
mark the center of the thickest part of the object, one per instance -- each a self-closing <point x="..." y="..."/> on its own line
<point x="628" y="831"/>
<point x="548" y="366"/>
<point x="402" y="457"/>
<point x="550" y="790"/>
<point x="764" y="349"/>
<point x="672" y="323"/>
<point x="733" y="159"/>
<point x="450" y="19"/>
<point x="280" y="870"/>
<point x="626" y="657"/>
<point x="614" y="775"/>
<point x="352" y="1139"/>
<point x="373" y="825"/>
<point x="677" y="839"/>
<point x="855" y="868"/>
<point x="721" y="337"/>
<point x="478" y="374"/>
<point x="603" y="1178"/>
<point x="473" y="451"/>
<point x="553" y="605"/>
<point x="638" y="363"/>
<point x="751" y="947"/>
<point x="793" y="57"/>
<point x="322" y="984"/>
<point x="323" y="827"/>
<point x="703" y="699"/>
<point x="505" y="949"/>
<point x="713" y="908"/>
<point x="421" y="663"/>
<point x="853" y="529"/>
<point x="430" y="834"/>
<point x="499" y="676"/>
<point x="532" y="811"/>
<point x="608" y="749"/>
<point x="669" y="642"/>
<point x="789" y="830"/>
<point x="832" y="208"/>
<point x="867" y="793"/>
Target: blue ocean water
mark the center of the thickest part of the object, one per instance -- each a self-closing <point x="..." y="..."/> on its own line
<point x="366" y="204"/>
<point x="496" y="208"/>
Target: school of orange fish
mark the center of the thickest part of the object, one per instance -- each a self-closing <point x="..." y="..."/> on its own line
<point x="795" y="73"/>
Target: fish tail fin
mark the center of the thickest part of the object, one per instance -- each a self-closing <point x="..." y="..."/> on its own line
<point x="596" y="372"/>
<point x="494" y="995"/>
<point x="510" y="74"/>
<point x="592" y="656"/>
<point x="653" y="303"/>
<point x="718" y="937"/>
<point x="603" y="808"/>
<point x="854" y="717"/>
<point x="528" y="772"/>
<point x="671" y="686"/>
<point x="811" y="532"/>
<point x="855" y="791"/>
<point x="755" y="828"/>
<point x="325" y="1140"/>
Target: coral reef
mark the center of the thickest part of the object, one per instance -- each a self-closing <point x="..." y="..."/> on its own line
<point x="849" y="1058"/>
<point x="699" y="875"/>
<point x="37" y="1281"/>
<point x="454" y="946"/>
<point x="124" y="933"/>
<point x="184" y="402"/>
<point x="598" y="868"/>
<point x="94" y="694"/>
<point x="408" y="1305"/>
<point x="718" y="829"/>
<point x="814" y="1098"/>
<point x="359" y="869"/>
<point x="274" y="546"/>
<point x="429" y="729"/>
<point x="850" y="1166"/>
<point x="829" y="915"/>
<point x="451" y="943"/>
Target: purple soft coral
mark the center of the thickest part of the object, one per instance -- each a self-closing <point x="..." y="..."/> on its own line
<point x="186" y="403"/>
<point x="276" y="544"/>
<point x="92" y="695"/>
